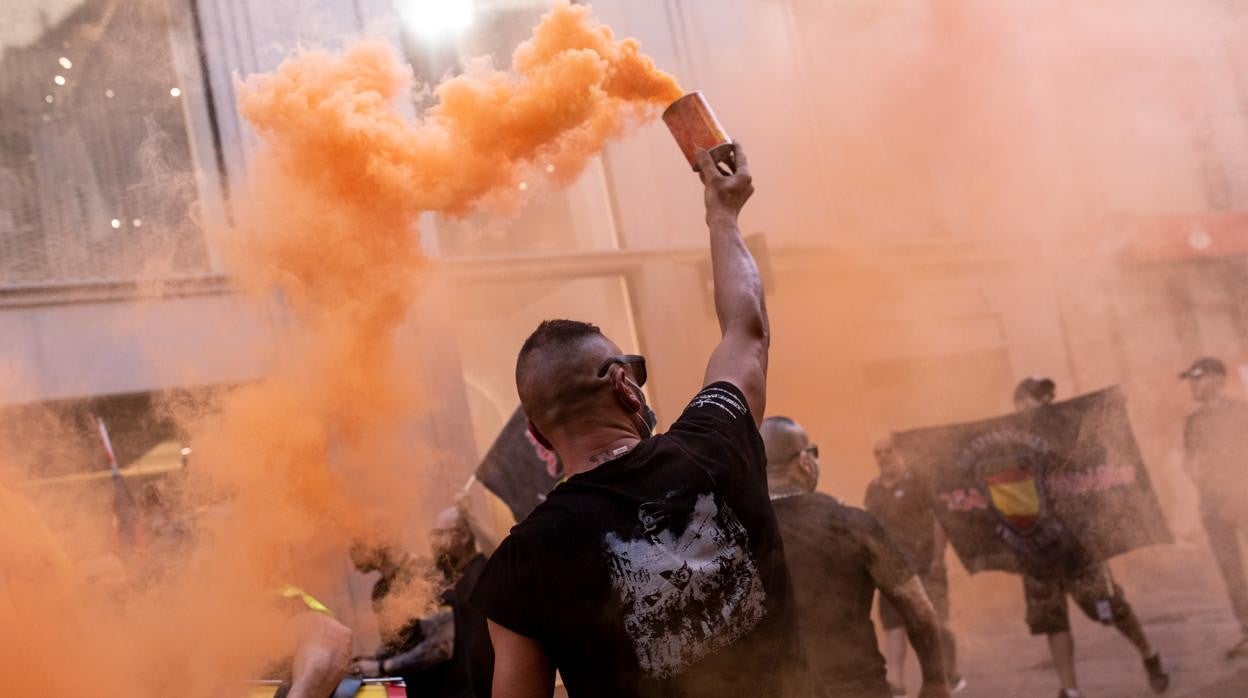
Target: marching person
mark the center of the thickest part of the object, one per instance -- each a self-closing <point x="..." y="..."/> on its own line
<point x="1089" y="582"/>
<point x="902" y="502"/>
<point x="838" y="556"/>
<point x="1215" y="445"/>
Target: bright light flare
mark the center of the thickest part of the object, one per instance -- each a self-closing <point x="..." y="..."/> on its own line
<point x="65" y="63"/>
<point x="59" y="79"/>
<point x="434" y="19"/>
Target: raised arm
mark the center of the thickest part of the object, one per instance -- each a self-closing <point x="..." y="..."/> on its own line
<point x="741" y="356"/>
<point x="923" y="629"/>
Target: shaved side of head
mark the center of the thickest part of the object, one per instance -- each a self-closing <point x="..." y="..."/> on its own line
<point x="783" y="438"/>
<point x="557" y="373"/>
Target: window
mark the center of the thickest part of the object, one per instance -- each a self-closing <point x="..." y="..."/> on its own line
<point x="437" y="36"/>
<point x="97" y="177"/>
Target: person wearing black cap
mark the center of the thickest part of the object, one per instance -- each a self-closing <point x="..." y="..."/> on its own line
<point x="1034" y="391"/>
<point x="1215" y="445"/>
<point x="1089" y="583"/>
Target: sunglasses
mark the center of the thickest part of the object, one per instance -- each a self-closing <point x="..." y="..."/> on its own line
<point x="637" y="362"/>
<point x="813" y="450"/>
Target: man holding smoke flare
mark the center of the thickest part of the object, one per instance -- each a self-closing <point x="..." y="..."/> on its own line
<point x="656" y="568"/>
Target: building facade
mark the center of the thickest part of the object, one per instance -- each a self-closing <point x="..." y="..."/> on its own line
<point x="898" y="297"/>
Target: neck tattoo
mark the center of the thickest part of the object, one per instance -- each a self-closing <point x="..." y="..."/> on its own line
<point x="606" y="456"/>
<point x="783" y="491"/>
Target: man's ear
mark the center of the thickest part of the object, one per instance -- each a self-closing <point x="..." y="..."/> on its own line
<point x="811" y="466"/>
<point x="626" y="392"/>
<point x="537" y="436"/>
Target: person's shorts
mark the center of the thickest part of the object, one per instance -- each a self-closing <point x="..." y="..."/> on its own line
<point x="937" y="588"/>
<point x="1094" y="590"/>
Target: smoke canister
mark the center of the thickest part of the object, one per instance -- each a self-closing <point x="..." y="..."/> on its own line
<point x="695" y="127"/>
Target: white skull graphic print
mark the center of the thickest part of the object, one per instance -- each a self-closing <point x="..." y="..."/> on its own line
<point x="687" y="582"/>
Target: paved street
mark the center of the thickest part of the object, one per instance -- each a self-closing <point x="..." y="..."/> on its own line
<point x="1176" y="593"/>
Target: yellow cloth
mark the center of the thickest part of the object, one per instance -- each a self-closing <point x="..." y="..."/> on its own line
<point x="293" y="592"/>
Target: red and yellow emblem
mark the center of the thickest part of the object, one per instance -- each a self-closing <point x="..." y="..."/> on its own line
<point x="1015" y="496"/>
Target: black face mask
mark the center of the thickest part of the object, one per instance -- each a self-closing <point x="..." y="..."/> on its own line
<point x="649" y="419"/>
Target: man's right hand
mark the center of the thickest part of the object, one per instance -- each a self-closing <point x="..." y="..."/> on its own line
<point x="726" y="194"/>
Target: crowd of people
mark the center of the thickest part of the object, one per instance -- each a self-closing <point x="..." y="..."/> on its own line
<point x="703" y="561"/>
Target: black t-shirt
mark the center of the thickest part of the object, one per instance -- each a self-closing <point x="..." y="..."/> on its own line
<point x="405" y="637"/>
<point x="660" y="573"/>
<point x="1217" y="435"/>
<point x="838" y="556"/>
<point x="471" y="670"/>
<point x="906" y="512"/>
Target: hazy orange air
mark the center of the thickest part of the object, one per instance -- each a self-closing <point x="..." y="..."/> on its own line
<point x="327" y="223"/>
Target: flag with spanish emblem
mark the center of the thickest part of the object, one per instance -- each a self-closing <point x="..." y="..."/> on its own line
<point x="1046" y="491"/>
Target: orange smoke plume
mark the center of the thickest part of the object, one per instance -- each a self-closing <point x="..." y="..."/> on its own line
<point x="294" y="467"/>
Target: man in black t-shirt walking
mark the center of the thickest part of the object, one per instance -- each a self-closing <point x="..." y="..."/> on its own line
<point x="902" y="502"/>
<point x="839" y="556"/>
<point x="1215" y="444"/>
<point x="656" y="567"/>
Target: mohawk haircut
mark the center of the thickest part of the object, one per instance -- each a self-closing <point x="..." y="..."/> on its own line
<point x="556" y="334"/>
<point x="555" y="371"/>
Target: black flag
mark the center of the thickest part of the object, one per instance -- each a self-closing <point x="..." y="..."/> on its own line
<point x="1043" y="491"/>
<point x="518" y="469"/>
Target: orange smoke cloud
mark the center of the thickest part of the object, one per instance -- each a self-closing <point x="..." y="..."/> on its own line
<point x="294" y="467"/>
<point x="572" y="86"/>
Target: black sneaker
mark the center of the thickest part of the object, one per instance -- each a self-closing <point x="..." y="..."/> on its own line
<point x="1158" y="679"/>
<point x="1239" y="650"/>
